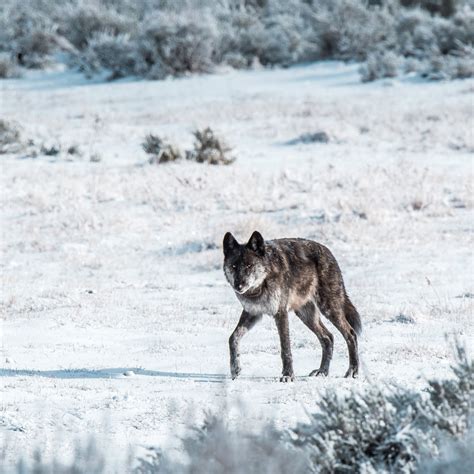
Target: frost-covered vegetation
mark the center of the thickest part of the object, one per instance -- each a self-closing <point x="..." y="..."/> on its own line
<point x="160" y="38"/>
<point x="10" y="140"/>
<point x="388" y="429"/>
<point x="208" y="149"/>
<point x="115" y="311"/>
<point x="159" y="150"/>
<point x="13" y="141"/>
<point x="380" y="429"/>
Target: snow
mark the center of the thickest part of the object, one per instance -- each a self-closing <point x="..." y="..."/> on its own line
<point x="115" y="310"/>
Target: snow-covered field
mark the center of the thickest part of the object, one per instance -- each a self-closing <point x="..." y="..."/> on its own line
<point x="115" y="310"/>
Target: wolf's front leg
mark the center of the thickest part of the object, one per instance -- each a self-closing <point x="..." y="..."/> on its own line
<point x="246" y="322"/>
<point x="281" y="319"/>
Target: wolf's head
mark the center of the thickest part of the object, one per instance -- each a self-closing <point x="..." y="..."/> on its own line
<point x="244" y="265"/>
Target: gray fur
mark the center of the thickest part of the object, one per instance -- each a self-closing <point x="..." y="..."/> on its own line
<point x="283" y="275"/>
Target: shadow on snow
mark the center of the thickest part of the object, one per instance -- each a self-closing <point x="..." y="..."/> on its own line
<point x="130" y="372"/>
<point x="110" y="373"/>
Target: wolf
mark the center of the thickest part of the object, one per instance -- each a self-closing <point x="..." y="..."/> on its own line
<point x="277" y="276"/>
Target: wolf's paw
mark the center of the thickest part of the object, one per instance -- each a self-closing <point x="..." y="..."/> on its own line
<point x="235" y="372"/>
<point x="352" y="372"/>
<point x="287" y="378"/>
<point x="318" y="372"/>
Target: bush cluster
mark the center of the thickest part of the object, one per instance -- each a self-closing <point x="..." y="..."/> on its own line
<point x="10" y="137"/>
<point x="382" y="429"/>
<point x="159" y="150"/>
<point x="14" y="141"/>
<point x="160" y="38"/>
<point x="208" y="148"/>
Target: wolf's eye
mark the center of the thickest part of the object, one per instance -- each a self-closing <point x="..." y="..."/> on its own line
<point x="234" y="266"/>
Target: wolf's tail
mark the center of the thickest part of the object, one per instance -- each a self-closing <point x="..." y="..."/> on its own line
<point x="352" y="316"/>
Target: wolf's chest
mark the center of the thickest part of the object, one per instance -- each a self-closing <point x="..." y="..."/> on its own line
<point x="267" y="303"/>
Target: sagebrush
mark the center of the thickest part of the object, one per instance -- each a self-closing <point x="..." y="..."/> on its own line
<point x="10" y="137"/>
<point x="160" y="38"/>
<point x="380" y="429"/>
<point x="159" y="150"/>
<point x="210" y="149"/>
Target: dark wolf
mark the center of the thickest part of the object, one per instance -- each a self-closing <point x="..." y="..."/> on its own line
<point x="278" y="276"/>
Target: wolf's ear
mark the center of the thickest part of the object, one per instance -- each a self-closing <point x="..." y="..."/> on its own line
<point x="256" y="243"/>
<point x="229" y="244"/>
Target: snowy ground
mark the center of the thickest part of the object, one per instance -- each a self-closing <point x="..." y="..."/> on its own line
<point x="115" y="266"/>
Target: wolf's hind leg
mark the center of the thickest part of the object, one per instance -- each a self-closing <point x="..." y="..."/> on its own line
<point x="337" y="316"/>
<point x="309" y="314"/>
<point x="246" y="322"/>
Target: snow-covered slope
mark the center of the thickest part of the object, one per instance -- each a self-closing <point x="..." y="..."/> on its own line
<point x="116" y="313"/>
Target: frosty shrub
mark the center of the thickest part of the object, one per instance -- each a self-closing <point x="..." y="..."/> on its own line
<point x="387" y="429"/>
<point x="74" y="150"/>
<point x="95" y="157"/>
<point x="443" y="7"/>
<point x="460" y="66"/>
<point x="415" y="33"/>
<point x="370" y="432"/>
<point x="348" y="29"/>
<point x="450" y="403"/>
<point x="10" y="138"/>
<point x="456" y="457"/>
<point x="174" y="44"/>
<point x="160" y="38"/>
<point x="50" y="149"/>
<point x="403" y="318"/>
<point x="87" y="459"/>
<point x="379" y="429"/>
<point x="441" y="47"/>
<point x="240" y="37"/>
<point x="113" y="53"/>
<point x="281" y="39"/>
<point x="215" y="448"/>
<point x="379" y="65"/>
<point x="26" y="35"/>
<point x="83" y="20"/>
<point x="8" y="67"/>
<point x="208" y="148"/>
<point x="159" y="150"/>
<point x="33" y="50"/>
